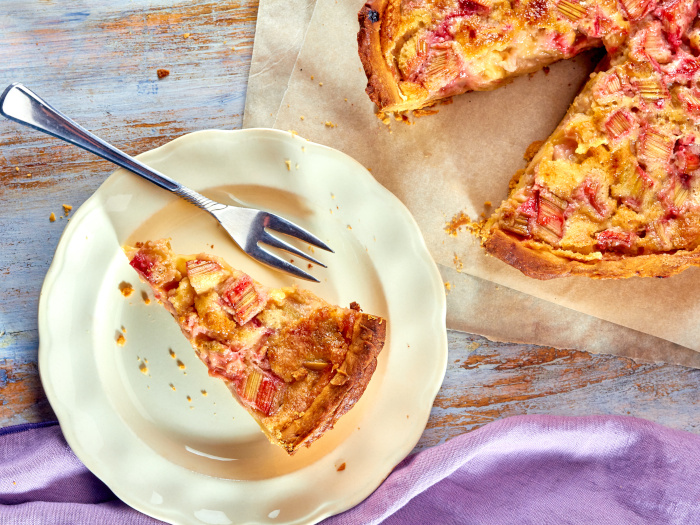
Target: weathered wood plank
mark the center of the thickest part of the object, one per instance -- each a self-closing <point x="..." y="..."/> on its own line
<point x="97" y="62"/>
<point x="486" y="381"/>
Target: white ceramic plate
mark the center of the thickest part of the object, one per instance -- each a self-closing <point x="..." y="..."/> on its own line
<point x="146" y="418"/>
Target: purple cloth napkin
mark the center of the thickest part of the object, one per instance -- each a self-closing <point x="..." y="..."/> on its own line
<point x="524" y="470"/>
<point x="43" y="483"/>
<point x="542" y="470"/>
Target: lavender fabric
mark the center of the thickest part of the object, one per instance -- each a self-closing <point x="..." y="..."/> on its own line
<point x="524" y="470"/>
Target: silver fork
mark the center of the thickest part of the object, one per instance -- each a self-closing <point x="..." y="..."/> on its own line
<point x="246" y="226"/>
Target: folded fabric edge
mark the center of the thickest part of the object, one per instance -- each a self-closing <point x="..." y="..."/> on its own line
<point x="26" y="426"/>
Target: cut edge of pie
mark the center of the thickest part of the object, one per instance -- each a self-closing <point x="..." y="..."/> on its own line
<point x="382" y="87"/>
<point x="294" y="362"/>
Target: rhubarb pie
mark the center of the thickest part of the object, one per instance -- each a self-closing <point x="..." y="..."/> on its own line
<point x="293" y="361"/>
<point x="615" y="190"/>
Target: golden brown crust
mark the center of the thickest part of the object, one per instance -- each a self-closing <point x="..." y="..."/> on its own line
<point x="382" y="86"/>
<point x="347" y="386"/>
<point x="542" y="264"/>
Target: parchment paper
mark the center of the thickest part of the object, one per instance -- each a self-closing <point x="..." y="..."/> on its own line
<point x="475" y="304"/>
<point x="279" y="34"/>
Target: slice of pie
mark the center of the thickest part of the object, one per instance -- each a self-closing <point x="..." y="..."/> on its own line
<point x="416" y="52"/>
<point x="293" y="361"/>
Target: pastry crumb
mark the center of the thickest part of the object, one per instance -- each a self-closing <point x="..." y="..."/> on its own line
<point x="459" y="265"/>
<point x="143" y="368"/>
<point x="457" y="222"/>
<point x="341" y="467"/>
<point x="172" y="354"/>
<point x="120" y="340"/>
<point x="126" y="289"/>
<point x="301" y="117"/>
<point x="532" y="149"/>
<point x="424" y="112"/>
<point x="294" y="133"/>
<point x="384" y="118"/>
<point x="66" y="207"/>
<point x="186" y="35"/>
<point x="146" y="299"/>
<point x="52" y="217"/>
<point x="172" y="386"/>
<point x="204" y="393"/>
<point x="162" y="73"/>
<point x="180" y="365"/>
<point x="448" y="286"/>
<point x="29" y="175"/>
<point x="462" y="220"/>
<point x="288" y="163"/>
<point x="329" y="124"/>
<point x="320" y="83"/>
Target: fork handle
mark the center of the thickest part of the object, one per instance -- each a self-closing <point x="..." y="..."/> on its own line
<point x="20" y="104"/>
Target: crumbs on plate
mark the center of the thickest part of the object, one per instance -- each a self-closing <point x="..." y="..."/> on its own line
<point x="126" y="289"/>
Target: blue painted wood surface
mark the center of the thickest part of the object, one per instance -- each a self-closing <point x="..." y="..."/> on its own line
<point x="97" y="61"/>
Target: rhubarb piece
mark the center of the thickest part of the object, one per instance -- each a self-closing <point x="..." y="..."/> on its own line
<point x="242" y="299"/>
<point x="550" y="214"/>
<point x="571" y="10"/>
<point x="295" y="362"/>
<point x="260" y="391"/>
<point x="613" y="239"/>
<point x="655" y="148"/>
<point x="619" y="124"/>
<point x="519" y="225"/>
<point x="204" y="275"/>
<point x="650" y="89"/>
<point x="636" y="9"/>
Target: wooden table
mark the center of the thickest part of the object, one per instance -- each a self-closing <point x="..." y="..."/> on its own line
<point x="97" y="61"/>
